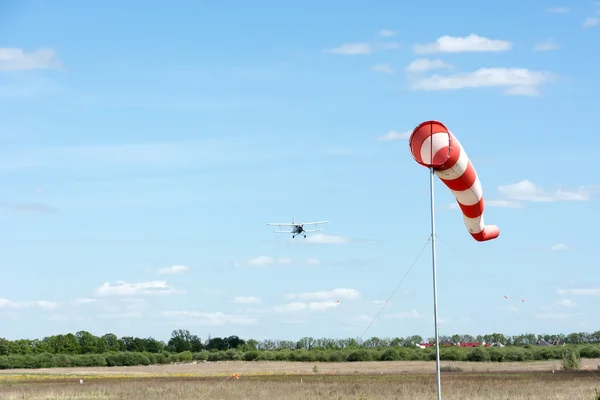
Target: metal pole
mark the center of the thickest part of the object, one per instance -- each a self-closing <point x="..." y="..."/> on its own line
<point x="435" y="310"/>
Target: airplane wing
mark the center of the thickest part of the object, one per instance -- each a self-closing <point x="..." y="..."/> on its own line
<point x="280" y="224"/>
<point x="313" y="230"/>
<point x="312" y="223"/>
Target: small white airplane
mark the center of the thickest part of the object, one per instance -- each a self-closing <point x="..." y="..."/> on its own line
<point x="298" y="227"/>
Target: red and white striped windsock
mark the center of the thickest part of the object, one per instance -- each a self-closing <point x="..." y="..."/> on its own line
<point x="434" y="146"/>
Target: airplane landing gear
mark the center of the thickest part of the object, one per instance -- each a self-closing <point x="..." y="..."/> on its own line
<point x="305" y="236"/>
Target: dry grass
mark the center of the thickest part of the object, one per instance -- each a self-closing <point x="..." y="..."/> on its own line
<point x="296" y="381"/>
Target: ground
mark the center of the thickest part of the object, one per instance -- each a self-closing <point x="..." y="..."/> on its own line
<point x="305" y="381"/>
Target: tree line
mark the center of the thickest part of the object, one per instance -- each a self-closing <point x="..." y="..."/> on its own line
<point x="85" y="349"/>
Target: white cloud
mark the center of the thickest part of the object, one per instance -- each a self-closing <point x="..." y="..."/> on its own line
<point x="261" y="261"/>
<point x="290" y="307"/>
<point x="387" y="33"/>
<point x="551" y="315"/>
<point x="312" y="261"/>
<point x="580" y="292"/>
<point x="175" y="269"/>
<point x="385" y="68"/>
<point x="335" y="294"/>
<point x="323" y="305"/>
<point x="121" y="315"/>
<point x="84" y="300"/>
<point x="529" y="191"/>
<point x="14" y="59"/>
<point x="327" y="239"/>
<point x="246" y="300"/>
<point x="131" y="310"/>
<point x="470" y="43"/>
<point x="213" y="319"/>
<point x="425" y="64"/>
<point x="589" y="22"/>
<point x="566" y="303"/>
<point x="385" y="303"/>
<point x="389" y="46"/>
<point x="528" y="91"/>
<point x="46" y="305"/>
<point x="30" y="207"/>
<point x="546" y="45"/>
<point x="393" y="135"/>
<point x="43" y="304"/>
<point x="362" y="319"/>
<point x="558" y="10"/>
<point x="560" y="247"/>
<point x="352" y="49"/>
<point x="405" y="315"/>
<point x="301" y="306"/>
<point x="58" y="318"/>
<point x="121" y="288"/>
<point x="508" y="309"/>
<point x="106" y="156"/>
<point x="519" y="81"/>
<point x="264" y="261"/>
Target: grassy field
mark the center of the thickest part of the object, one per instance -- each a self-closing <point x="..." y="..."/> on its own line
<point x="296" y="381"/>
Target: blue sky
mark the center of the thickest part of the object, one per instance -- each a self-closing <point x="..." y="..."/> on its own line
<point x="139" y="137"/>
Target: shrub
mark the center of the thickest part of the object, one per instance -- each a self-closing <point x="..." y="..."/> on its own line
<point x="389" y="355"/>
<point x="496" y="355"/>
<point x="336" y="356"/>
<point x="251" y="355"/>
<point x="282" y="355"/>
<point x="590" y="352"/>
<point x="571" y="360"/>
<point x="359" y="355"/>
<point x="478" y="354"/>
<point x="184" y="356"/>
<point x="451" y="354"/>
<point x="200" y="356"/>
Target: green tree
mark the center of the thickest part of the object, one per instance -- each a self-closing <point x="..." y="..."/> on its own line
<point x="88" y="343"/>
<point x="111" y="342"/>
<point x="181" y="340"/>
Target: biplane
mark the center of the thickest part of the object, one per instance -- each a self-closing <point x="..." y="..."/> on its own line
<point x="298" y="227"/>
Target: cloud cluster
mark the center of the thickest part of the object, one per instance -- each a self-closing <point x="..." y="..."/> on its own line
<point x="18" y="305"/>
<point x="317" y="301"/>
<point x="265" y="261"/>
<point x="516" y="81"/>
<point x="174" y="269"/>
<point x="366" y="48"/>
<point x="385" y="68"/>
<point x="122" y="288"/>
<point x="246" y="299"/>
<point x="425" y="64"/>
<point x="211" y="319"/>
<point x="327" y="239"/>
<point x="559" y="247"/>
<point x="546" y="45"/>
<point x="467" y="44"/>
<point x="516" y="194"/>
<point x="14" y="59"/>
<point x="526" y="190"/>
<point x="394" y="135"/>
<point x="595" y="291"/>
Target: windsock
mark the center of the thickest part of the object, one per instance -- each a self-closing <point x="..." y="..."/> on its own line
<point x="434" y="146"/>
